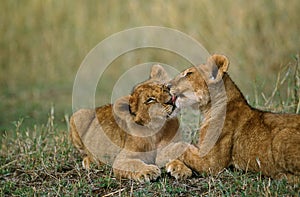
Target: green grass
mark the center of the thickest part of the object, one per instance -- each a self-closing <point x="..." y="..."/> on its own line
<point x="44" y="42"/>
<point x="41" y="161"/>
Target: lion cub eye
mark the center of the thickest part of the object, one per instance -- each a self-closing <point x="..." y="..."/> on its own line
<point x="188" y="74"/>
<point x="150" y="100"/>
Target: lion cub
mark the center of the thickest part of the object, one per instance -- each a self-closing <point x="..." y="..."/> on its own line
<point x="233" y="132"/>
<point x="129" y="133"/>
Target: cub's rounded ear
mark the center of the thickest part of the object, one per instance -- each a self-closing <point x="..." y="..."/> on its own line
<point x="218" y="65"/>
<point x="121" y="107"/>
<point x="159" y="73"/>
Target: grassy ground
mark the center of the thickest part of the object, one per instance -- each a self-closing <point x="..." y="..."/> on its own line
<point x="41" y="161"/>
<point x="43" y="43"/>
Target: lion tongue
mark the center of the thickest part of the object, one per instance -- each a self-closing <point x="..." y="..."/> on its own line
<point x="174" y="99"/>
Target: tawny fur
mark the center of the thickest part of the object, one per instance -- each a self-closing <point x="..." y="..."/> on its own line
<point x="129" y="133"/>
<point x="250" y="139"/>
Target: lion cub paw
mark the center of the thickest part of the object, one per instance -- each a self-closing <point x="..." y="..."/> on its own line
<point x="148" y="173"/>
<point x="86" y="163"/>
<point x="178" y="169"/>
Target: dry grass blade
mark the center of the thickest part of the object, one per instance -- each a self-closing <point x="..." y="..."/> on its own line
<point x="113" y="193"/>
<point x="279" y="82"/>
<point x="297" y="84"/>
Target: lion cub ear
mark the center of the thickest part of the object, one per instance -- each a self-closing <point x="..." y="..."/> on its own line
<point x="159" y="73"/>
<point x="218" y="65"/>
<point x="121" y="107"/>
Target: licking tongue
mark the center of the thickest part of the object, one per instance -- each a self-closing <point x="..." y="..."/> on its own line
<point x="174" y="98"/>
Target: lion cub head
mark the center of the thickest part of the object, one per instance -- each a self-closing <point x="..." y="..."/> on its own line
<point x="150" y="103"/>
<point x="192" y="86"/>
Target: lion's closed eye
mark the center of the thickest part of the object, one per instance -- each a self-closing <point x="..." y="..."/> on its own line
<point x="150" y="100"/>
<point x="188" y="74"/>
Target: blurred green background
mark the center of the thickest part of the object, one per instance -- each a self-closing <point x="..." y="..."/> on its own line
<point x="44" y="42"/>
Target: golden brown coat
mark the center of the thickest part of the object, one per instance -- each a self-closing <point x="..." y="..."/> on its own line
<point x="129" y="133"/>
<point x="248" y="138"/>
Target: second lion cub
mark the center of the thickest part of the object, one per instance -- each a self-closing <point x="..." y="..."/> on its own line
<point x="248" y="138"/>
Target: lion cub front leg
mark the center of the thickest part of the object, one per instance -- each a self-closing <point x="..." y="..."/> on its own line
<point x="133" y="166"/>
